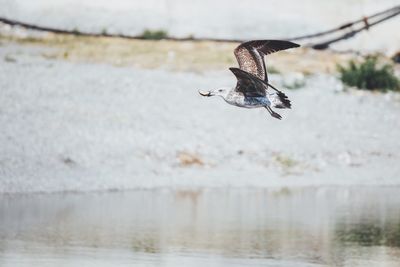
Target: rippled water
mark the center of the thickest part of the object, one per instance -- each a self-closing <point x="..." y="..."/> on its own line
<point x="208" y="227"/>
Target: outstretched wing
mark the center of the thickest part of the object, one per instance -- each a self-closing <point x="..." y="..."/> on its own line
<point x="248" y="84"/>
<point x="250" y="55"/>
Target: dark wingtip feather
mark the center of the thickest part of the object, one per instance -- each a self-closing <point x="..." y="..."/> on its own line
<point x="289" y="44"/>
<point x="295" y="45"/>
<point x="268" y="46"/>
<point x="284" y="100"/>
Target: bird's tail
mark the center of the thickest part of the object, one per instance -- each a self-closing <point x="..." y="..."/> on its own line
<point x="278" y="99"/>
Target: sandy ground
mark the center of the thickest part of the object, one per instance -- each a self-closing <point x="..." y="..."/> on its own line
<point x="186" y="56"/>
<point x="75" y="123"/>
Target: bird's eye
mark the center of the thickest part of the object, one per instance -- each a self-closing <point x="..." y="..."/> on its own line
<point x="220" y="90"/>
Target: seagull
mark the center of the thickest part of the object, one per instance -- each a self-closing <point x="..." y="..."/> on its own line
<point x="252" y="88"/>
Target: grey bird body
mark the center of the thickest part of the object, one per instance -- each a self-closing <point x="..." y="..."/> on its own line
<point x="252" y="88"/>
<point x="238" y="99"/>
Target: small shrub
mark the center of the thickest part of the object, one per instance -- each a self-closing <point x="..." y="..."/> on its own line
<point x="294" y="80"/>
<point x="75" y="30"/>
<point x="285" y="161"/>
<point x="368" y="75"/>
<point x="273" y="70"/>
<point x="10" y="59"/>
<point x="154" y="35"/>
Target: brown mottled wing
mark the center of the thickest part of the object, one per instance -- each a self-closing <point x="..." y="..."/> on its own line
<point x="250" y="55"/>
<point x="248" y="84"/>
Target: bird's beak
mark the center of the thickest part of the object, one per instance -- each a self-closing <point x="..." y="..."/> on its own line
<point x="205" y="93"/>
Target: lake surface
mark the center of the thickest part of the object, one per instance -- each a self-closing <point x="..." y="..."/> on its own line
<point x="206" y="227"/>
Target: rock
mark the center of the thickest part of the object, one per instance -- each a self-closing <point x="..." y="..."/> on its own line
<point x="396" y="57"/>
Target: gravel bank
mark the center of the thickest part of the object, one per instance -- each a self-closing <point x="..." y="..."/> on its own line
<point x="73" y="126"/>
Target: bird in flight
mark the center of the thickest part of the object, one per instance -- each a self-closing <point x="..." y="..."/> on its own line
<point x="252" y="88"/>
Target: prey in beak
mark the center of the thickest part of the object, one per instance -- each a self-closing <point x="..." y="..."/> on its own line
<point x="205" y="93"/>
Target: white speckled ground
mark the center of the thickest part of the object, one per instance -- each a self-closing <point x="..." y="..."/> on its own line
<point x="81" y="127"/>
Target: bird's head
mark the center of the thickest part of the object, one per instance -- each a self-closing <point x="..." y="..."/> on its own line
<point x="223" y="92"/>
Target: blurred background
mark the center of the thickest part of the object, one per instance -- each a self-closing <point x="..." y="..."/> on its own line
<point x="110" y="157"/>
<point x="252" y="19"/>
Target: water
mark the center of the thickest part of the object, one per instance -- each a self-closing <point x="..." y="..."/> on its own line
<point x="204" y="227"/>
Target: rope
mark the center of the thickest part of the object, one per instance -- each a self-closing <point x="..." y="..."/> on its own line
<point x="367" y="26"/>
<point x="389" y="11"/>
<point x="367" y="22"/>
<point x="88" y="34"/>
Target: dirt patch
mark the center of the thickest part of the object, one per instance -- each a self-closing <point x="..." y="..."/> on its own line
<point x="189" y="159"/>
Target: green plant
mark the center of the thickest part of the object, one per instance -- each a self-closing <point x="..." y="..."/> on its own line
<point x="273" y="70"/>
<point x="368" y="75"/>
<point x="369" y="234"/>
<point x="285" y="161"/>
<point x="10" y="59"/>
<point x="154" y="34"/>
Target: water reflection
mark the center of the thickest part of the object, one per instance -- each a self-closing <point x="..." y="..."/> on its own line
<point x="370" y="234"/>
<point x="289" y="227"/>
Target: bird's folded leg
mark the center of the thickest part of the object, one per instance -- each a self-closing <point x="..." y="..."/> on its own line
<point x="273" y="113"/>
